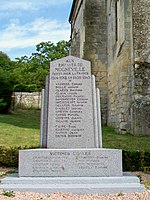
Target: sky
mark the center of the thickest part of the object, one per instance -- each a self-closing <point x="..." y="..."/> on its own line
<point x="26" y="23"/>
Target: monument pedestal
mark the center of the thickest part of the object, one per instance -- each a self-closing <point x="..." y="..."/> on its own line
<point x="70" y="162"/>
<point x="81" y="171"/>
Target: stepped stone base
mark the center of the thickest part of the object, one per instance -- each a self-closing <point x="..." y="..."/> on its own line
<point x="70" y="162"/>
<point x="80" y="185"/>
<point x="82" y="171"/>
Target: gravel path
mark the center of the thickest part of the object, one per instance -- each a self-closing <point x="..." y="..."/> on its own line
<point x="67" y="196"/>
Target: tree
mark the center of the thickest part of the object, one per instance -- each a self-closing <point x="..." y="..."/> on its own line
<point x="28" y="77"/>
<point x="46" y="52"/>
<point x="5" y="91"/>
<point x="29" y="72"/>
<point x="5" y="62"/>
<point x="6" y="86"/>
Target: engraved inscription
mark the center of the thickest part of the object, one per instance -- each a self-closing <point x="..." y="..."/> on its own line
<point x="58" y="162"/>
<point x="50" y="163"/>
<point x="87" y="161"/>
<point x="70" y="100"/>
<point x="71" y="117"/>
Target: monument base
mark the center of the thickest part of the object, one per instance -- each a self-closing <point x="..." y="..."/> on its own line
<point x="70" y="162"/>
<point x="79" y="185"/>
<point x="82" y="171"/>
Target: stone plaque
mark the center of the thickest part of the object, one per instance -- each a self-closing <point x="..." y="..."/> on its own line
<point x="70" y="162"/>
<point x="71" y="117"/>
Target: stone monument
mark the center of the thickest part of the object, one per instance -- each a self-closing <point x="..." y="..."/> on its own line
<point x="71" y="157"/>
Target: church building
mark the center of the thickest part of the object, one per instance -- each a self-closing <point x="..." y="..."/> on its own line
<point x="115" y="36"/>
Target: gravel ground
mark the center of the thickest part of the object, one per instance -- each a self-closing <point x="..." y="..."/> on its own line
<point x="67" y="196"/>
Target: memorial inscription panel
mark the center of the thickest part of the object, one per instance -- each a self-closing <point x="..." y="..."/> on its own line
<point x="71" y="162"/>
<point x="70" y="122"/>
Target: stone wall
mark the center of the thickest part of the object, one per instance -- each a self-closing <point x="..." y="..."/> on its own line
<point x="120" y="67"/>
<point x="89" y="42"/>
<point x="26" y="100"/>
<point x="78" y="30"/>
<point x="141" y="30"/>
<point x="115" y="36"/>
<point x="95" y="48"/>
<point x="140" y="108"/>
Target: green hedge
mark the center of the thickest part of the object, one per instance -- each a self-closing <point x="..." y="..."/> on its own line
<point x="135" y="160"/>
<point x="132" y="160"/>
<point x="9" y="156"/>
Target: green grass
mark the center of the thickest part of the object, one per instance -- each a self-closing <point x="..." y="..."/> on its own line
<point x="22" y="128"/>
<point x="111" y="139"/>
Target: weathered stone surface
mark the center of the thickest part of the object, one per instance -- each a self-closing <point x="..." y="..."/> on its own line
<point x="70" y="162"/>
<point x="71" y="118"/>
<point x="141" y="30"/>
<point x="141" y="116"/>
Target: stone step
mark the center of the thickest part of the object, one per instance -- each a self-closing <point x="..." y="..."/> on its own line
<point x="75" y="188"/>
<point x="69" y="180"/>
<point x="80" y="185"/>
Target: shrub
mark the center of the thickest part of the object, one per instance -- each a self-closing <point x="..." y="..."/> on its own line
<point x="135" y="160"/>
<point x="9" y="156"/>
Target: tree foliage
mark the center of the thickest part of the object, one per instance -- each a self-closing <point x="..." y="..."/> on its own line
<point x="6" y="87"/>
<point x="27" y="74"/>
<point x="30" y="72"/>
<point x="5" y="62"/>
<point x="5" y="91"/>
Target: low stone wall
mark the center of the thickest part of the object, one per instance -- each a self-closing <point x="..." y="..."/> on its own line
<point x="26" y="100"/>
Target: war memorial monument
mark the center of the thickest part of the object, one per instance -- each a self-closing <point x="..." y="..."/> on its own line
<point x="71" y="157"/>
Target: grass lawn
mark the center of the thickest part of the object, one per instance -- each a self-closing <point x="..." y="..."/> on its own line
<point x="111" y="139"/>
<point x="22" y="128"/>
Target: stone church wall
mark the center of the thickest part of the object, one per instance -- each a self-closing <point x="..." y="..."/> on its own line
<point x="78" y="30"/>
<point x="120" y="67"/>
<point x="141" y="30"/>
<point x="114" y="35"/>
<point x="140" y="109"/>
<point x="89" y="41"/>
<point x="95" y="48"/>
